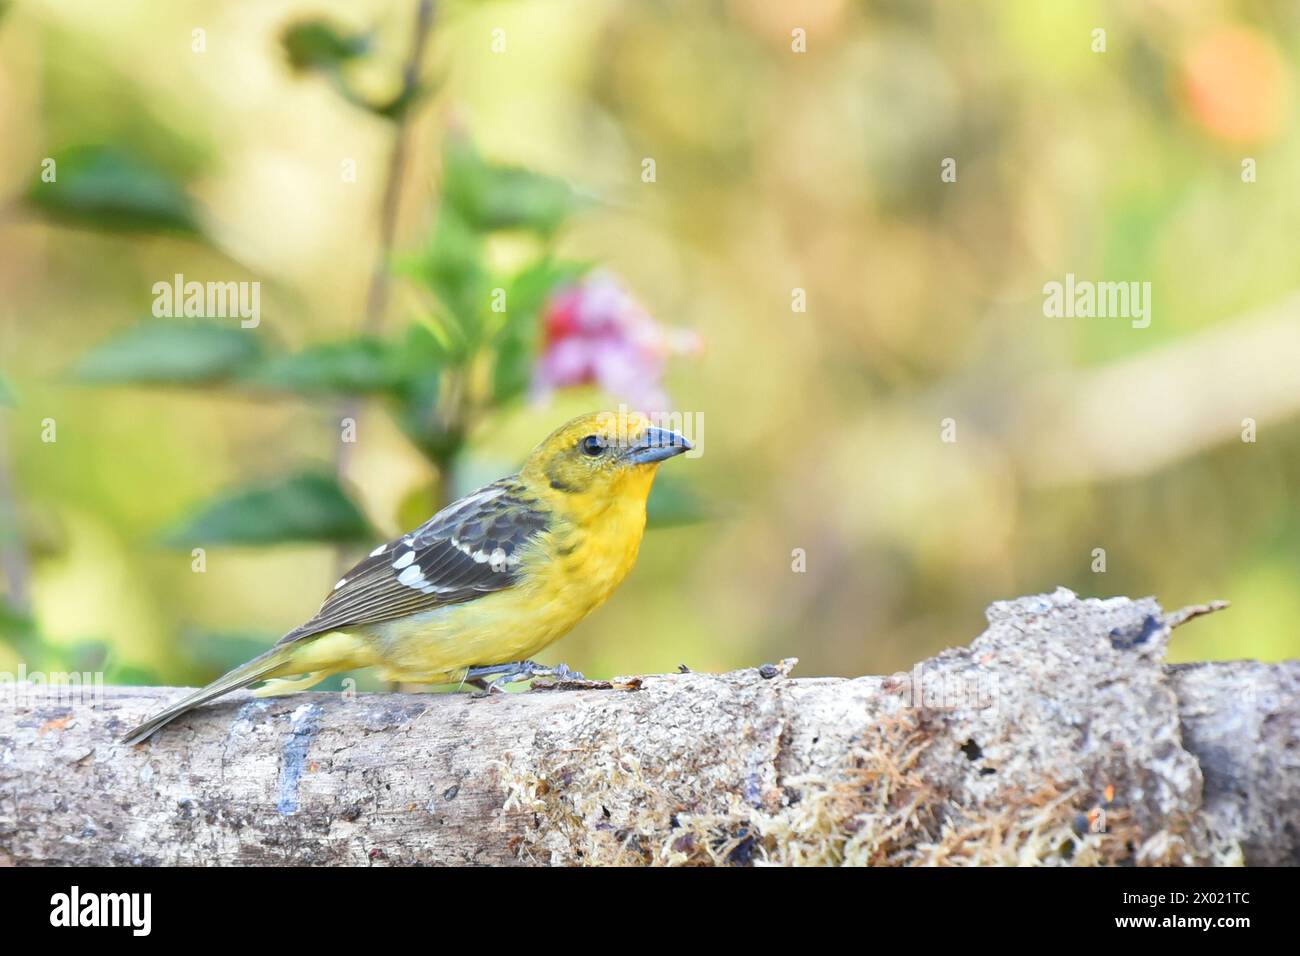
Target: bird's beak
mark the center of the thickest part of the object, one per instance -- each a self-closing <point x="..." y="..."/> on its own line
<point x="654" y="445"/>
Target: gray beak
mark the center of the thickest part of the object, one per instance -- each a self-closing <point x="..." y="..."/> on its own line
<point x="656" y="444"/>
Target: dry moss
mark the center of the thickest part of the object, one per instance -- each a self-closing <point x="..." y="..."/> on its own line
<point x="876" y="809"/>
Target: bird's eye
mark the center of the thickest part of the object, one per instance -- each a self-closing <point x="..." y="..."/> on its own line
<point x="592" y="446"/>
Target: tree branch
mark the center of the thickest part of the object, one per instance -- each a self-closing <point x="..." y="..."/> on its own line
<point x="1057" y="736"/>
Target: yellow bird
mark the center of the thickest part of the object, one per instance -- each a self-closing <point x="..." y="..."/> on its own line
<point x="485" y="583"/>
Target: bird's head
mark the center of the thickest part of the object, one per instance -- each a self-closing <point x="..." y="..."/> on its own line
<point x="603" y="454"/>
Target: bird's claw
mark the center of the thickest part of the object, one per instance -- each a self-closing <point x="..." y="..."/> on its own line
<point x="562" y="672"/>
<point x="514" y="673"/>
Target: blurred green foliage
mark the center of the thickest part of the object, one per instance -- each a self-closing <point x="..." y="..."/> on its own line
<point x="318" y="45"/>
<point x="21" y="633"/>
<point x="776" y="171"/>
<point x="107" y="187"/>
<point x="170" y="352"/>
<point x="468" y="348"/>
<point x="461" y="356"/>
<point x="465" y="356"/>
<point x="304" y="507"/>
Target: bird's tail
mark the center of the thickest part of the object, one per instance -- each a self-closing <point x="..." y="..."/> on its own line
<point x="259" y="668"/>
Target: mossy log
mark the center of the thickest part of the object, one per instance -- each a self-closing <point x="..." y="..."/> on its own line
<point x="1059" y="736"/>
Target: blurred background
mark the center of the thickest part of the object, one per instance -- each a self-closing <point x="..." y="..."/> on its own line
<point x="737" y="210"/>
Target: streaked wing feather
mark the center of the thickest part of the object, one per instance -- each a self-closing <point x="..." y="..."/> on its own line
<point x="470" y="548"/>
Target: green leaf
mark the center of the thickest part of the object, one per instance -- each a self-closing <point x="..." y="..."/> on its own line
<point x="438" y="442"/>
<point x="512" y="367"/>
<point x="428" y="344"/>
<point x="109" y="188"/>
<point x="419" y="418"/>
<point x="171" y="352"/>
<point x="454" y="269"/>
<point x="7" y="394"/>
<point x="308" y="507"/>
<point x="417" y="410"/>
<point x="359" y="366"/>
<point x="317" y="45"/>
<point x="533" y="285"/>
<point x="490" y="196"/>
<point x="519" y="340"/>
<point x="673" y="503"/>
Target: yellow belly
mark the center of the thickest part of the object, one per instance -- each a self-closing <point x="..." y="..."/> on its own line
<point x="436" y="646"/>
<point x="563" y="581"/>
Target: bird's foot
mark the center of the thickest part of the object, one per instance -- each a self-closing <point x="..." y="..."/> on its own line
<point x="513" y="673"/>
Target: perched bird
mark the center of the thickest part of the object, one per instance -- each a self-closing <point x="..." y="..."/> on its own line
<point x="485" y="583"/>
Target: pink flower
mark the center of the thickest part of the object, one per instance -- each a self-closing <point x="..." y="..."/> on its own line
<point x="595" y="333"/>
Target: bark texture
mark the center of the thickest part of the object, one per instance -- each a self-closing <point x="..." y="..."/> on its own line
<point x="1058" y="736"/>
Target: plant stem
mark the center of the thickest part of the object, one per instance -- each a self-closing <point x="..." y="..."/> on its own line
<point x="377" y="298"/>
<point x="377" y="295"/>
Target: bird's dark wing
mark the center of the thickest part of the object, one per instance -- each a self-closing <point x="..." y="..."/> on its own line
<point x="467" y="549"/>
